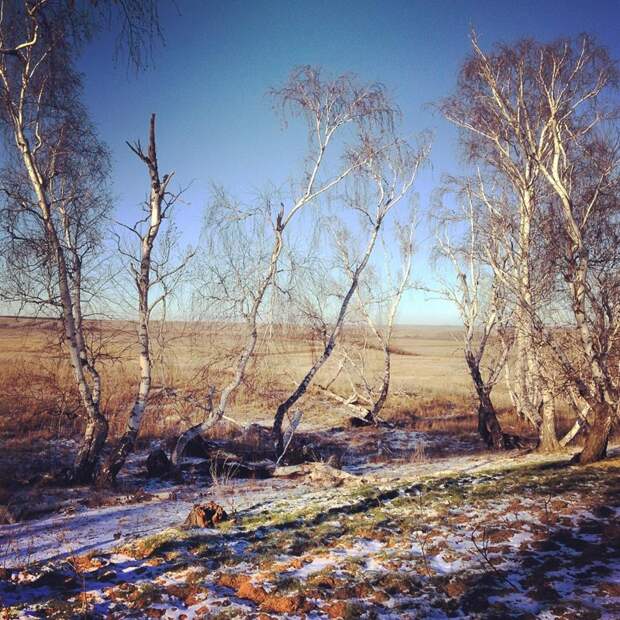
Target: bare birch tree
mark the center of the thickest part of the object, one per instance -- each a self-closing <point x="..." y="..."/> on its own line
<point x="392" y="173"/>
<point x="582" y="166"/>
<point x="491" y="110"/>
<point x="499" y="233"/>
<point x="371" y="296"/>
<point x="48" y="126"/>
<point x="334" y="110"/>
<point x="541" y="115"/>
<point x="480" y="298"/>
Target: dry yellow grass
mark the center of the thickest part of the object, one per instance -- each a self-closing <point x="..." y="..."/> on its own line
<point x="37" y="395"/>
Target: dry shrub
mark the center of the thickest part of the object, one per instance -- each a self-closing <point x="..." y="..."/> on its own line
<point x="432" y="413"/>
<point x="38" y="401"/>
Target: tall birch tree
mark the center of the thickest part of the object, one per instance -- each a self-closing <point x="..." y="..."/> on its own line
<point x="543" y="117"/>
<point x="52" y="139"/>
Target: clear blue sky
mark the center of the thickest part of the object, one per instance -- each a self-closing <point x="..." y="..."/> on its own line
<point x="208" y="84"/>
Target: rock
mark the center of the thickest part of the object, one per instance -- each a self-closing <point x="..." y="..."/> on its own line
<point x="206" y="515"/>
<point x="158" y="464"/>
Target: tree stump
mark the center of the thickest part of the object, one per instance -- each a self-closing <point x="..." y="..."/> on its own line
<point x="206" y="515"/>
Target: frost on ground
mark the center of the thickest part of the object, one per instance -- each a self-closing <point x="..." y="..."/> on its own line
<point x="474" y="537"/>
<point x="85" y="520"/>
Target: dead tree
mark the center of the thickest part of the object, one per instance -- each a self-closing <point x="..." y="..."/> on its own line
<point x="392" y="174"/>
<point x="332" y="109"/>
<point x="148" y="276"/>
<point x="478" y="295"/>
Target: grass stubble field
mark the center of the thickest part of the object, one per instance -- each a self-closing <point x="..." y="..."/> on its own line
<point x="414" y="520"/>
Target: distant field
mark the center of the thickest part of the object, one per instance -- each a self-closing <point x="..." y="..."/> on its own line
<point x="37" y="393"/>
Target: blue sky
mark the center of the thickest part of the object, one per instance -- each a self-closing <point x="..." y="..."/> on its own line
<point x="208" y="86"/>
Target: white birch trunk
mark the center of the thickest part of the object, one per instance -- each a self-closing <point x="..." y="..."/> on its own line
<point x="143" y="285"/>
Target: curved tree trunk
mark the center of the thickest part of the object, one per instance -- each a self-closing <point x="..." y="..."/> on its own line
<point x="595" y="446"/>
<point x="301" y="388"/>
<point x="488" y="424"/>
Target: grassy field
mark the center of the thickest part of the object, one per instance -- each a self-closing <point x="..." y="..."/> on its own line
<point x="37" y="394"/>
<point x="35" y="378"/>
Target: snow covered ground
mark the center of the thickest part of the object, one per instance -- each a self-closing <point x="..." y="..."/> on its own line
<point x="478" y="535"/>
<point x="79" y="529"/>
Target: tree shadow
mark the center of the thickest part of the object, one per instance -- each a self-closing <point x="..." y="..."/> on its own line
<point x="570" y="569"/>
